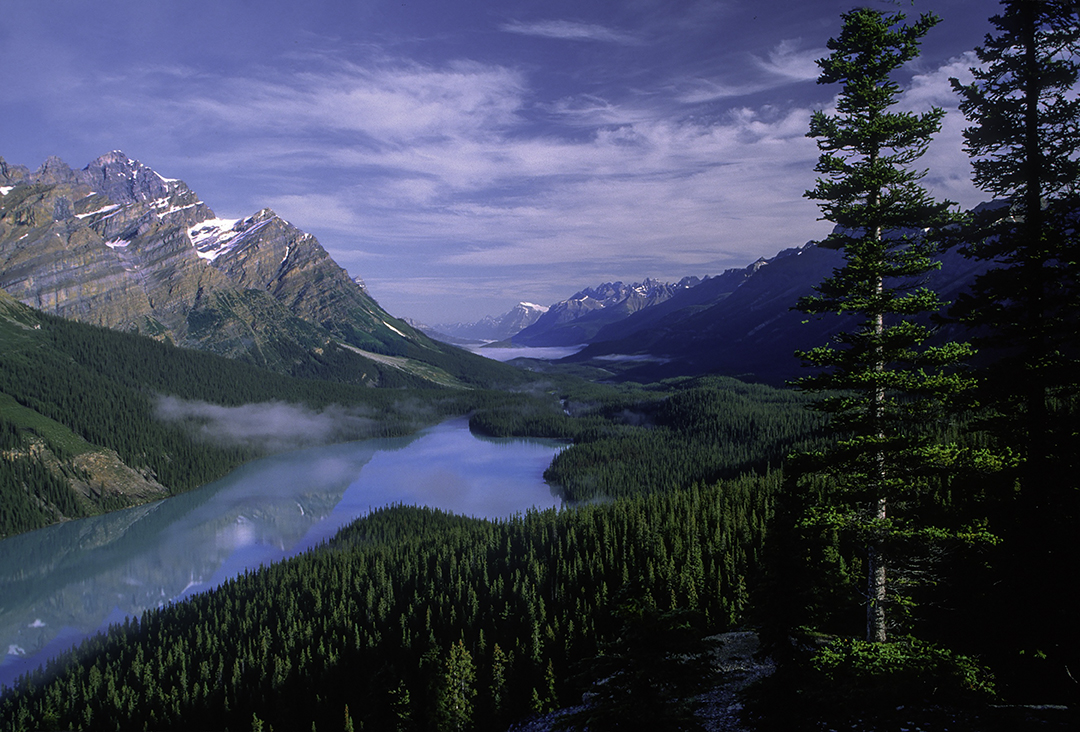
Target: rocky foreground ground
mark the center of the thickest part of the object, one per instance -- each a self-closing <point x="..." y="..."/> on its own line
<point x="739" y="666"/>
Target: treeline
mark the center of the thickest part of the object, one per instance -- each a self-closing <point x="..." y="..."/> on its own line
<point x="411" y="619"/>
<point x="101" y="388"/>
<point x="30" y="494"/>
<point x="710" y="429"/>
<point x="631" y="439"/>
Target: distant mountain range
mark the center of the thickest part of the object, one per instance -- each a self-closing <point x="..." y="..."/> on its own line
<point x="740" y="323"/>
<point x="566" y="323"/>
<point x="488" y="328"/>
<point x="117" y="244"/>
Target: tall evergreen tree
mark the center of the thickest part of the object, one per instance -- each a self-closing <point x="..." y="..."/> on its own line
<point x="1025" y="141"/>
<point x="1025" y="309"/>
<point x="881" y="382"/>
<point x="459" y="689"/>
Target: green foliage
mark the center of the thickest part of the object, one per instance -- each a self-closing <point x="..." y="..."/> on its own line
<point x="648" y="677"/>
<point x="884" y="389"/>
<point x="1025" y="146"/>
<point x="31" y="495"/>
<point x="353" y="622"/>
<point x="458" y="690"/>
<point x="700" y="430"/>
<point x="852" y="673"/>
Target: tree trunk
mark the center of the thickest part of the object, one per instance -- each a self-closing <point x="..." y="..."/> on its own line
<point x="875" y="560"/>
<point x="875" y="585"/>
<point x="1033" y="270"/>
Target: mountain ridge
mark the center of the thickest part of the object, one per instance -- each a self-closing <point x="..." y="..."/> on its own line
<point x="117" y="244"/>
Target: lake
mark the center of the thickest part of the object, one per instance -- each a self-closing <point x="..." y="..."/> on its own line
<point x="63" y="583"/>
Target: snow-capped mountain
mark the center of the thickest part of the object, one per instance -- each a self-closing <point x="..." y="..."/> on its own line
<point x="578" y="318"/>
<point x="117" y="244"/>
<point x="494" y="328"/>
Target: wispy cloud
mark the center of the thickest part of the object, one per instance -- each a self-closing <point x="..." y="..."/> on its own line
<point x="789" y="61"/>
<point x="571" y="31"/>
<point x="784" y="64"/>
<point x="414" y="173"/>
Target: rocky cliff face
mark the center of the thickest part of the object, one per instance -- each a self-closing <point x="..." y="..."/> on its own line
<point x="118" y="245"/>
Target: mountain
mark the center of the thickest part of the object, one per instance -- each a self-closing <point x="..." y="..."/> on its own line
<point x="490" y="328"/>
<point x="580" y="317"/>
<point x="93" y="419"/>
<point x="116" y="244"/>
<point x="742" y="322"/>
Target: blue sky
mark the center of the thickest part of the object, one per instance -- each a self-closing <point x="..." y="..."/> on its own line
<point x="462" y="155"/>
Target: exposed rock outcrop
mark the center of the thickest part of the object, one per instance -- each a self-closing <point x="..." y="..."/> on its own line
<point x="118" y="245"/>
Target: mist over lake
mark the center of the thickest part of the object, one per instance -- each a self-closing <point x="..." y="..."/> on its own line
<point x="63" y="583"/>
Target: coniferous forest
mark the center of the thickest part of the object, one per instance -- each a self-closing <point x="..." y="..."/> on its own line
<point x="898" y="527"/>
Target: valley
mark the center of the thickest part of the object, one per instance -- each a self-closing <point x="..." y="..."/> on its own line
<point x="238" y="493"/>
<point x="78" y="577"/>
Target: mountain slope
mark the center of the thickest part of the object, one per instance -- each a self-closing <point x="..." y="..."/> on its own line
<point x="493" y="328"/>
<point x="118" y="245"/>
<point x="743" y="324"/>
<point x="578" y="318"/>
<point x="82" y="426"/>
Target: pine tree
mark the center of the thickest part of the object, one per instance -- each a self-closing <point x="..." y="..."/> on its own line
<point x="1025" y="144"/>
<point x="880" y="378"/>
<point x="1025" y="309"/>
<point x="459" y="690"/>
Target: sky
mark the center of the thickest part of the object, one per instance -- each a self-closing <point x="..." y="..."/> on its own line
<point x="464" y="155"/>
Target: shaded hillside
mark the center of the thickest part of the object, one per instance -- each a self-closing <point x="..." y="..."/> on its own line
<point x="581" y="316"/>
<point x="82" y="431"/>
<point x="743" y="324"/>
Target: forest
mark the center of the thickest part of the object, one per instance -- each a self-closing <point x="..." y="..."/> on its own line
<point x="897" y="527"/>
<point x="71" y="388"/>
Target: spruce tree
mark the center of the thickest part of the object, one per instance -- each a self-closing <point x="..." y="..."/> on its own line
<point x="1025" y="311"/>
<point x="1025" y="144"/>
<point x="459" y="688"/>
<point x="882" y="385"/>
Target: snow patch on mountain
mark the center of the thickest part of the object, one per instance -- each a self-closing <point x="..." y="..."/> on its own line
<point x="394" y="329"/>
<point x="212" y="237"/>
<point x="112" y="207"/>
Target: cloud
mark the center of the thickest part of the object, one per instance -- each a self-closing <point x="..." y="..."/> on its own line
<point x="571" y="31"/>
<point x="269" y="426"/>
<point x="787" y="61"/>
<point x="784" y="64"/>
<point x="949" y="166"/>
<point x="387" y="105"/>
<point x="462" y="175"/>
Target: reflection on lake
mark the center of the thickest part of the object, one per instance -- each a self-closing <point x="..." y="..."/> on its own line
<point x="62" y="583"/>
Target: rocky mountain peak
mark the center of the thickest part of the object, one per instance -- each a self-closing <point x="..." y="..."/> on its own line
<point x="54" y="171"/>
<point x="119" y="245"/>
<point x="124" y="180"/>
<point x="12" y="174"/>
